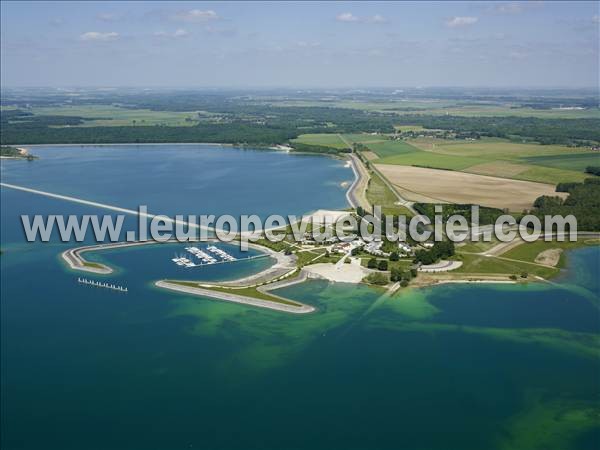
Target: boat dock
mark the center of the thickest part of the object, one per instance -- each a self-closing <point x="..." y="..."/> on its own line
<point x="100" y="284"/>
<point x="212" y="255"/>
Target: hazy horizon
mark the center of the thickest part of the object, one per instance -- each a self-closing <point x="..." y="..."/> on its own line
<point x="342" y="45"/>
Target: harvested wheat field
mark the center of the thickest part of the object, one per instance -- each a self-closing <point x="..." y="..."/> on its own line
<point x="458" y="187"/>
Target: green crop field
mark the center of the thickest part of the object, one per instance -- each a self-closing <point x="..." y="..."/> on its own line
<point x="326" y="140"/>
<point x="105" y="115"/>
<point x="574" y="161"/>
<point x="391" y="148"/>
<point x="365" y="138"/>
<point x="495" y="157"/>
<point x="551" y="175"/>
<point x="433" y="160"/>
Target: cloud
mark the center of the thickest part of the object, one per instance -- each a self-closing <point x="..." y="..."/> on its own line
<point x="514" y="7"/>
<point x="461" y="21"/>
<point x="346" y="17"/>
<point x="305" y="44"/>
<point x="179" y="33"/>
<point x="98" y="36"/>
<point x="517" y="54"/>
<point x="106" y="17"/>
<point x="508" y="8"/>
<point x="196" y="16"/>
<point x="377" y="18"/>
<point x="349" y="17"/>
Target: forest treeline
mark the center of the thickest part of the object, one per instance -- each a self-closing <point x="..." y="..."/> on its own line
<point x="241" y="121"/>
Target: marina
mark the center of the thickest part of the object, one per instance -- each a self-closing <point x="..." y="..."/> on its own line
<point x="100" y="284"/>
<point x="212" y="255"/>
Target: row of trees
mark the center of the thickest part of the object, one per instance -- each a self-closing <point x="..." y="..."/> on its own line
<point x="545" y="131"/>
<point x="583" y="202"/>
<point x="593" y="170"/>
<point x="486" y="215"/>
<point x="442" y="249"/>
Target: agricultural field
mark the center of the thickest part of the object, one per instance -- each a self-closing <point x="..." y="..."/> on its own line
<point x="575" y="161"/>
<point x="391" y="148"/>
<point x="322" y="139"/>
<point x="106" y="115"/>
<point x="464" y="188"/>
<point x="364" y="138"/>
<point x="496" y="157"/>
<point x="430" y="159"/>
<point x="438" y="107"/>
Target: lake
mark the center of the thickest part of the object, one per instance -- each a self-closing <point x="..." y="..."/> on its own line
<point x="447" y="367"/>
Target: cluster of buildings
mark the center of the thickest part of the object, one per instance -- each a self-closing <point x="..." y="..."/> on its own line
<point x="373" y="247"/>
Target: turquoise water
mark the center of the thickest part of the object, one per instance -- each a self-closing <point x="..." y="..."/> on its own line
<point x="449" y="367"/>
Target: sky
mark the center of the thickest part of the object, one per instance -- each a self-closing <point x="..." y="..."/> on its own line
<point x="311" y="44"/>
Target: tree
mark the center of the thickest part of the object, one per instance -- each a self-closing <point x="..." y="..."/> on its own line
<point x="377" y="278"/>
<point x="396" y="274"/>
<point x="372" y="264"/>
<point x="394" y="256"/>
<point x="383" y="265"/>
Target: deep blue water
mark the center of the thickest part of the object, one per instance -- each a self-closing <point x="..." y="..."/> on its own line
<point x="450" y="367"/>
<point x="186" y="179"/>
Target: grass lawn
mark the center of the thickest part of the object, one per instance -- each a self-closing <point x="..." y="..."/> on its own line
<point x="246" y="291"/>
<point x="324" y="139"/>
<point x="378" y="193"/>
<point x="484" y="264"/>
<point x="477" y="247"/>
<point x="530" y="250"/>
<point x="93" y="264"/>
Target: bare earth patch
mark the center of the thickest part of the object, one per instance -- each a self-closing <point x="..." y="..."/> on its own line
<point x="344" y="273"/>
<point x="459" y="187"/>
<point x="549" y="257"/>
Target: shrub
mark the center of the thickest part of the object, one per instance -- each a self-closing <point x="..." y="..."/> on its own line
<point x="394" y="256"/>
<point x="524" y="274"/>
<point x="383" y="265"/>
<point x="404" y="283"/>
<point x="377" y="278"/>
<point x="396" y="274"/>
<point x="372" y="264"/>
